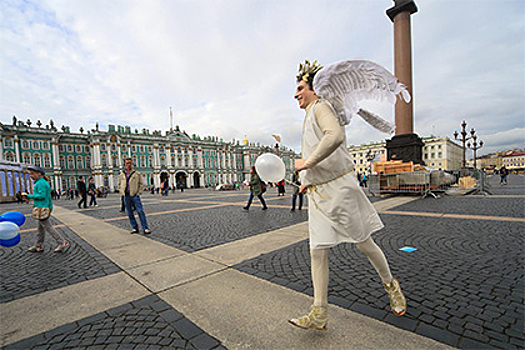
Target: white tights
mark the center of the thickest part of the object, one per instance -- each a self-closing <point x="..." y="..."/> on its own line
<point x="319" y="258"/>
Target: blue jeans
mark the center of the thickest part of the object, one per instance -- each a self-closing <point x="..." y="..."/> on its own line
<point x="129" y="203"/>
<point x="294" y="199"/>
<point x="251" y="198"/>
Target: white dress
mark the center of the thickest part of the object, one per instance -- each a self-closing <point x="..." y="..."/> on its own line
<point x="338" y="210"/>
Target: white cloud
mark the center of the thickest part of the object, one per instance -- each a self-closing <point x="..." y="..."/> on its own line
<point x="228" y="67"/>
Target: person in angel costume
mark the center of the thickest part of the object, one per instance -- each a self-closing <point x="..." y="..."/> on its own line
<point x="339" y="211"/>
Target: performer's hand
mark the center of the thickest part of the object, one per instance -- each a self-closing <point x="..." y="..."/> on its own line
<point x="300" y="164"/>
<point x="303" y="188"/>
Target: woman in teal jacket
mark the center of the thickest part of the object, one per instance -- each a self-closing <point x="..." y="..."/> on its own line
<point x="42" y="199"/>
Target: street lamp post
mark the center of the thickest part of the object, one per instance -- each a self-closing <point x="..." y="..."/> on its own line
<point x="475" y="146"/>
<point x="464" y="138"/>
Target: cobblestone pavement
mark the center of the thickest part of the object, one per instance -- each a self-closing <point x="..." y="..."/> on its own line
<point x="23" y="273"/>
<point x="464" y="284"/>
<point x="148" y="323"/>
<point x="206" y="223"/>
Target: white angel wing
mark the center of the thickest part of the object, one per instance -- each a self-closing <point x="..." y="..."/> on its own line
<point x="345" y="84"/>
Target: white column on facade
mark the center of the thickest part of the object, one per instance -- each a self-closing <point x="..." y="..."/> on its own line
<point x="1" y="148"/>
<point x="111" y="182"/>
<point x="168" y="157"/>
<point x="119" y="162"/>
<point x="199" y="159"/>
<point x="17" y="148"/>
<point x="156" y="155"/>
<point x="109" y="159"/>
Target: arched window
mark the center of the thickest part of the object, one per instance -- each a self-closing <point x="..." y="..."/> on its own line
<point x="88" y="162"/>
<point x="104" y="161"/>
<point x="62" y="162"/>
<point x="115" y="161"/>
<point x="47" y="161"/>
<point x="27" y="158"/>
<point x="150" y="162"/>
<point x="162" y="161"/>
<point x="172" y="160"/>
<point x="80" y="163"/>
<point x="10" y="157"/>
<point x="142" y="162"/>
<point x="70" y="162"/>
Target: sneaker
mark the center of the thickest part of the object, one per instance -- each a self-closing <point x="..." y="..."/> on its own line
<point x="61" y="247"/>
<point x="246" y="208"/>
<point x="398" y="303"/>
<point x="36" y="248"/>
<point x="147" y="231"/>
<point x="316" y="319"/>
<point x="265" y="208"/>
<point x="134" y="231"/>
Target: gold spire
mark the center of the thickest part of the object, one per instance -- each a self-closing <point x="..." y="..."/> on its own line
<point x="245" y="139"/>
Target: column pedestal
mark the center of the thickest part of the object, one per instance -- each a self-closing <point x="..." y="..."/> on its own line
<point x="405" y="147"/>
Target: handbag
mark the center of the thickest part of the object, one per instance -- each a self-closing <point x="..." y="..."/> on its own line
<point x="41" y="213"/>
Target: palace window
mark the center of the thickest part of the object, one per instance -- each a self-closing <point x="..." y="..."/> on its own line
<point x="162" y="161"/>
<point x="62" y="162"/>
<point x="142" y="162"/>
<point x="186" y="162"/>
<point x="113" y="147"/>
<point x="79" y="163"/>
<point x="79" y="149"/>
<point x="88" y="162"/>
<point x="86" y="149"/>
<point x="133" y="148"/>
<point x="102" y="146"/>
<point x="25" y="144"/>
<point x="61" y="148"/>
<point x="141" y="149"/>
<point x="36" y="145"/>
<point x="27" y="158"/>
<point x="149" y="149"/>
<point x="10" y="157"/>
<point x="70" y="148"/>
<point x="124" y="148"/>
<point x="114" y="161"/>
<point x="45" y="145"/>
<point x="172" y="160"/>
<point x="70" y="162"/>
<point x="8" y="142"/>
<point x="47" y="161"/>
<point x="104" y="161"/>
<point x="135" y="161"/>
<point x="150" y="162"/>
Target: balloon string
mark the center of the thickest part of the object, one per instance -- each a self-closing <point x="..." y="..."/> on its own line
<point x="291" y="183"/>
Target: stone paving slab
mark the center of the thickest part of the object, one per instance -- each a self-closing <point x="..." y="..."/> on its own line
<point x="249" y="313"/>
<point x="23" y="273"/>
<point x="146" y="323"/>
<point x="38" y="313"/>
<point x="507" y="207"/>
<point x="464" y="286"/>
<point x="171" y="272"/>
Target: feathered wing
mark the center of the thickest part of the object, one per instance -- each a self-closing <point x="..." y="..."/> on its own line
<point x="345" y="84"/>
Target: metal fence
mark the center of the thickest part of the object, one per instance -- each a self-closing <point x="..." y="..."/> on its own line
<point x="422" y="183"/>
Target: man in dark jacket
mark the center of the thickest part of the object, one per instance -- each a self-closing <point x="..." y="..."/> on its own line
<point x="256" y="189"/>
<point x="82" y="191"/>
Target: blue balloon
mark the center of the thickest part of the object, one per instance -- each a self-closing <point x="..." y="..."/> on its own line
<point x="8" y="230"/>
<point x="10" y="242"/>
<point x="14" y="216"/>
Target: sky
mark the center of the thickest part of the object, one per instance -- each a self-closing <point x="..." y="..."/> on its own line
<point x="227" y="67"/>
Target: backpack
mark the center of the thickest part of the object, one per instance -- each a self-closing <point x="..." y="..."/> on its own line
<point x="263" y="187"/>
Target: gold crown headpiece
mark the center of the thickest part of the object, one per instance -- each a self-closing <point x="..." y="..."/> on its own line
<point x="308" y="70"/>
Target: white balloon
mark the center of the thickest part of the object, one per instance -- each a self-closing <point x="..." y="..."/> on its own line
<point x="8" y="230"/>
<point x="270" y="167"/>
